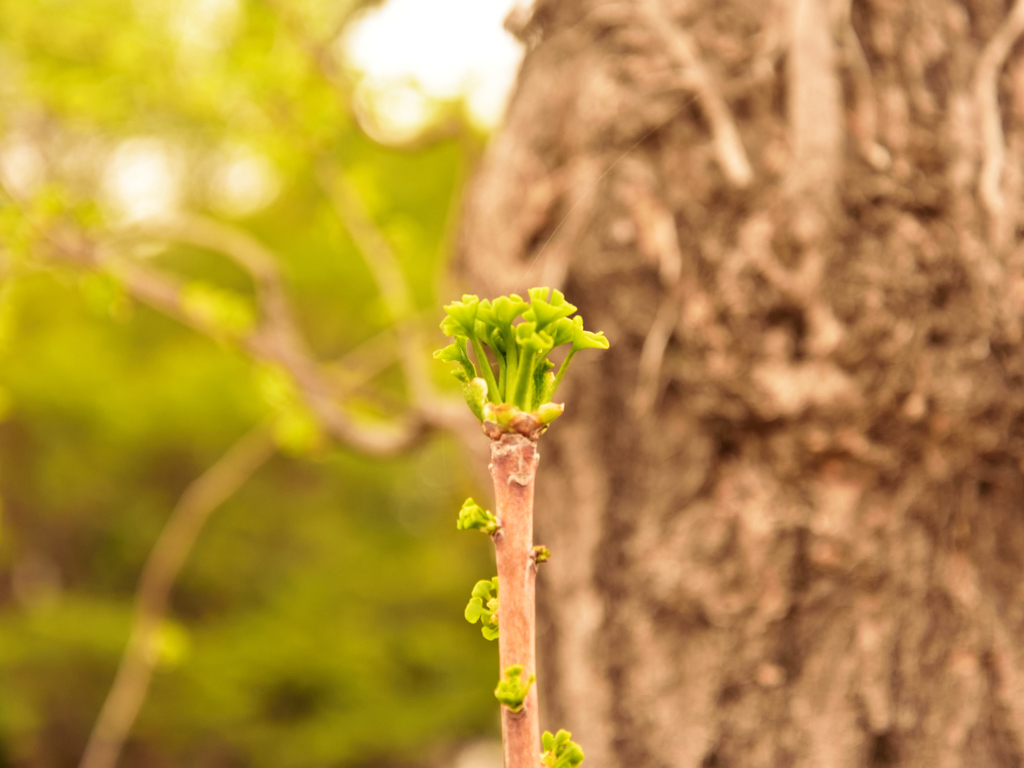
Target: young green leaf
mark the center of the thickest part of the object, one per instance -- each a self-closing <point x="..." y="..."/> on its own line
<point x="560" y="751"/>
<point x="543" y="384"/>
<point x="483" y="607"/>
<point x="544" y="312"/>
<point x="563" y="331"/>
<point x="473" y="517"/>
<point x="461" y="320"/>
<point x="582" y="339"/>
<point x="456" y="353"/>
<point x="511" y="690"/>
<point x="502" y="312"/>
<point x="496" y="318"/>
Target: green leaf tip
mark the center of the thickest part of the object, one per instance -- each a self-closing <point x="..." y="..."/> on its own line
<point x="461" y="316"/>
<point x="456" y="353"/>
<point x="473" y="517"/>
<point x="502" y="312"/>
<point x="511" y="690"/>
<point x="549" y="412"/>
<point x="509" y="382"/>
<point x="483" y="607"/>
<point x="560" y="751"/>
<point x="582" y="339"/>
<point x="543" y="311"/>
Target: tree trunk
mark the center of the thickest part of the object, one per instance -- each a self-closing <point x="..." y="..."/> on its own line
<point x="786" y="509"/>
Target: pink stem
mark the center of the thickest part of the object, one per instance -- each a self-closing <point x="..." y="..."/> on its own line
<point x="513" y="467"/>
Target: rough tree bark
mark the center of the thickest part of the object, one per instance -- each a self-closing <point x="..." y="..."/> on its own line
<point x="787" y="507"/>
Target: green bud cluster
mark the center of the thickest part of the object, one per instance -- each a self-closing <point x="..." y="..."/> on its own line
<point x="511" y="690"/>
<point x="483" y="607"/>
<point x="473" y="517"/>
<point x="560" y="751"/>
<point x="525" y="380"/>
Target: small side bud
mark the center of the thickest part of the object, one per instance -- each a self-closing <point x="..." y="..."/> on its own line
<point x="473" y="517"/>
<point x="511" y="690"/>
<point x="501" y="414"/>
<point x="541" y="554"/>
<point x="475" y="392"/>
<point x="483" y="607"/>
<point x="560" y="751"/>
<point x="549" y="412"/>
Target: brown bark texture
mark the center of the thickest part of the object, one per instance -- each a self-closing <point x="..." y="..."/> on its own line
<point x="786" y="509"/>
<point x="514" y="461"/>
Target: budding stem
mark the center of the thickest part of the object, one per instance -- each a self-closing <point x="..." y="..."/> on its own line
<point x="514" y="461"/>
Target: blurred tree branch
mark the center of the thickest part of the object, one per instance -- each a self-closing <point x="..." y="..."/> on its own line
<point x="275" y="339"/>
<point x="200" y="499"/>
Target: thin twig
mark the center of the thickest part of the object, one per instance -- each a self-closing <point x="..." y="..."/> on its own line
<point x="986" y="97"/>
<point x="200" y="499"/>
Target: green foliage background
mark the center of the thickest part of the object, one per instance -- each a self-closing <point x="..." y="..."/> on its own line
<point x="318" y="622"/>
